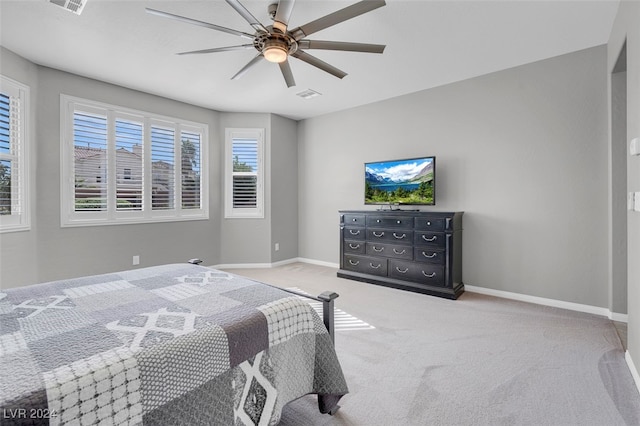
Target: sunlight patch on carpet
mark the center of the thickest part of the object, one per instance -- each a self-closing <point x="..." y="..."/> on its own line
<point x="342" y="320"/>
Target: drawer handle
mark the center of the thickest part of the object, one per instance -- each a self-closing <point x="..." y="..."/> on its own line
<point x="428" y="223"/>
<point x="354" y="263"/>
<point x="399" y="222"/>
<point x="435" y="237"/>
<point x="352" y="232"/>
<point x="375" y="234"/>
<point x="354" y="219"/>
<point x="400" y="237"/>
<point x="429" y="256"/>
<point x="431" y="275"/>
<point x="399" y="252"/>
<point x="379" y="250"/>
<point x="375" y="267"/>
<point x="355" y="246"/>
<point x="377" y="220"/>
<point x="401" y="271"/>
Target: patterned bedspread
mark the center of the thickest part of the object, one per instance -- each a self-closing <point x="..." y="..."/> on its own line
<point x="167" y="345"/>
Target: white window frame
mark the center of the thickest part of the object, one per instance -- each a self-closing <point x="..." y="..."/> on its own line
<point x="20" y="217"/>
<point x="244" y="213"/>
<point x="71" y="218"/>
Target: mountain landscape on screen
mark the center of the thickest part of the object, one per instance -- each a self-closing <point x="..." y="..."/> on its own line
<point x="410" y="181"/>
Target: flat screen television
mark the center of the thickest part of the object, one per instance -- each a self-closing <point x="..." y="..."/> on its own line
<point x="409" y="182"/>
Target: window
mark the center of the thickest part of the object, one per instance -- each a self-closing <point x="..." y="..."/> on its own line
<point x="14" y="199"/>
<point x="126" y="166"/>
<point x="244" y="188"/>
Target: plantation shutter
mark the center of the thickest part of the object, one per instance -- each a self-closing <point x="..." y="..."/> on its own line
<point x="190" y="158"/>
<point x="129" y="165"/>
<point x="163" y="168"/>
<point x="90" y="161"/>
<point x="7" y="157"/>
<point x="245" y="173"/>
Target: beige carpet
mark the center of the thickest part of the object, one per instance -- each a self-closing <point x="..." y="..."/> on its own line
<point x="479" y="360"/>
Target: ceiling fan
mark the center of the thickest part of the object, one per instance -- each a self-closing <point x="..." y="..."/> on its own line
<point x="277" y="42"/>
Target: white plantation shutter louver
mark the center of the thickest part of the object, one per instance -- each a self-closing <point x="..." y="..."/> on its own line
<point x="163" y="168"/>
<point x="244" y="173"/>
<point x="190" y="172"/>
<point x="90" y="161"/>
<point x="13" y="191"/>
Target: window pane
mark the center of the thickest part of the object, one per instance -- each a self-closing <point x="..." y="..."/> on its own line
<point x="162" y="168"/>
<point x="90" y="161"/>
<point x="190" y="170"/>
<point x="245" y="191"/>
<point x="129" y="175"/>
<point x="5" y="187"/>
<point x="245" y="155"/>
<point x="5" y="126"/>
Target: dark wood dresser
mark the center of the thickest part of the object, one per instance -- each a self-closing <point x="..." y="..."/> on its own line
<point x="409" y="250"/>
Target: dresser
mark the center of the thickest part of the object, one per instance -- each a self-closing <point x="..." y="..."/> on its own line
<point x="410" y="250"/>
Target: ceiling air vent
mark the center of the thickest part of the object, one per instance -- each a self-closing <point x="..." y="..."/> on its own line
<point x="308" y="94"/>
<point x="74" y="6"/>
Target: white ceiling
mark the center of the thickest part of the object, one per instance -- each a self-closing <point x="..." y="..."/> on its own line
<point x="429" y="43"/>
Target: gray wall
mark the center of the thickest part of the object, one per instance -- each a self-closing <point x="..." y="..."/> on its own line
<point x="522" y="152"/>
<point x="284" y="188"/>
<point x="626" y="28"/>
<point x="19" y="250"/>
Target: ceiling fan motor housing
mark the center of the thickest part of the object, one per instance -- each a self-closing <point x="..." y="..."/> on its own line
<point x="284" y="42"/>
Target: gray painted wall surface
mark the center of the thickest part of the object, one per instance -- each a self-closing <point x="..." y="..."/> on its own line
<point x="19" y="250"/>
<point x="284" y="188"/>
<point x="522" y="152"/>
<point x="246" y="240"/>
<point x="626" y="28"/>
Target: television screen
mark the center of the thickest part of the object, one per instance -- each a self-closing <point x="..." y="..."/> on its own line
<point x="411" y="181"/>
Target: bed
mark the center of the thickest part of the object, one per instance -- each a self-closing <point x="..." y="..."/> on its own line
<point x="177" y="344"/>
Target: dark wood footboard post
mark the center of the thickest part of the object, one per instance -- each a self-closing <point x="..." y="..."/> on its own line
<point x="327" y="299"/>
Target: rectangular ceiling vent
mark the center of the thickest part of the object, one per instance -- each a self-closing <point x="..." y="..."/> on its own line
<point x="74" y="6"/>
<point x="308" y="94"/>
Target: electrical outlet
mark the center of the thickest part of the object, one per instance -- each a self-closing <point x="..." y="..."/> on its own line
<point x="631" y="201"/>
<point x="277" y="247"/>
<point x="136" y="260"/>
<point x="636" y="206"/>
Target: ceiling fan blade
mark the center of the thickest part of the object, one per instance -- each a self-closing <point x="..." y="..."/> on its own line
<point x="200" y="23"/>
<point x="283" y="13"/>
<point x="334" y="18"/>
<point x="312" y="60"/>
<point x="218" y="49"/>
<point x="246" y="68"/>
<point x="287" y="74"/>
<point x="341" y="45"/>
<point x="247" y="15"/>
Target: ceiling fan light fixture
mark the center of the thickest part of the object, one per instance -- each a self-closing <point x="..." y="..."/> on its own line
<point x="275" y="51"/>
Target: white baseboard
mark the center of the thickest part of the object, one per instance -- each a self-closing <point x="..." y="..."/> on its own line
<point x="619" y="317"/>
<point x="318" y="262"/>
<point x="547" y="302"/>
<point x="274" y="264"/>
<point x="633" y="369"/>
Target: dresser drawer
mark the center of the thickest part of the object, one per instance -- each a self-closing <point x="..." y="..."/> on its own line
<point x="436" y="224"/>
<point x="396" y="236"/>
<point x="354" y="247"/>
<point x="397" y="251"/>
<point x="424" y="273"/>
<point x="354" y="219"/>
<point x="396" y="222"/>
<point x="351" y="233"/>
<point x="429" y="255"/>
<point x="366" y="265"/>
<point x="433" y="239"/>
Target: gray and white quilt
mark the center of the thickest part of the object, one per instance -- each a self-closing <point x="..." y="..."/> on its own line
<point x="167" y="345"/>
